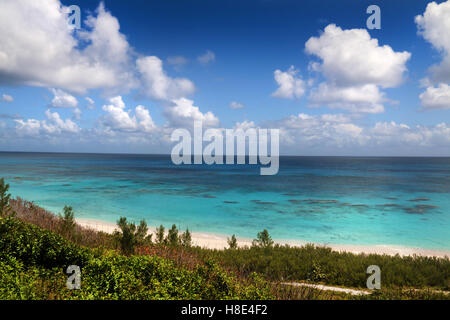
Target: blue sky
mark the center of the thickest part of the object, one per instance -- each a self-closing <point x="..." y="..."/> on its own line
<point x="247" y="41"/>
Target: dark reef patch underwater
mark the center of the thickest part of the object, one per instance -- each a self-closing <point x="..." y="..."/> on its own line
<point x="341" y="200"/>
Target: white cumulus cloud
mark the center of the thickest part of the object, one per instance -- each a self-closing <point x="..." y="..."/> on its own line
<point x="183" y="113"/>
<point x="156" y="83"/>
<point x="328" y="133"/>
<point x="290" y="85"/>
<point x="52" y="126"/>
<point x="434" y="26"/>
<point x="38" y="48"/>
<point x="62" y="99"/>
<point x="119" y="119"/>
<point x="365" y="98"/>
<point x="436" y="97"/>
<point x="355" y="66"/>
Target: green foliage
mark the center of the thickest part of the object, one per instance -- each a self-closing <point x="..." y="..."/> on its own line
<point x="5" y="208"/>
<point x="67" y="220"/>
<point x="130" y="236"/>
<point x="159" y="235"/>
<point x="232" y="242"/>
<point x="33" y="261"/>
<point x="263" y="240"/>
<point x="320" y="264"/>
<point x="172" y="236"/>
<point x="186" y="239"/>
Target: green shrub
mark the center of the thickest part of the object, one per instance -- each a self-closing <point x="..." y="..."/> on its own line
<point x="232" y="242"/>
<point x="320" y="264"/>
<point x="172" y="236"/>
<point x="186" y="239"/>
<point x="5" y="208"/>
<point x="159" y="235"/>
<point x="33" y="263"/>
<point x="263" y="239"/>
<point x="67" y="220"/>
<point x="35" y="246"/>
<point x="130" y="236"/>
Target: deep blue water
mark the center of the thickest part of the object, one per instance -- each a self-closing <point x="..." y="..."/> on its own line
<point x="339" y="200"/>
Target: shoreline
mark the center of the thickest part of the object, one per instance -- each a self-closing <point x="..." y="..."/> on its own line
<point x="219" y="241"/>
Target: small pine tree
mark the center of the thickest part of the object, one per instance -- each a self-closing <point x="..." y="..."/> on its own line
<point x="263" y="239"/>
<point x="159" y="235"/>
<point x="67" y="220"/>
<point x="186" y="239"/>
<point x="172" y="236"/>
<point x="232" y="242"/>
<point x="5" y="208"/>
<point x="141" y="234"/>
<point x="130" y="236"/>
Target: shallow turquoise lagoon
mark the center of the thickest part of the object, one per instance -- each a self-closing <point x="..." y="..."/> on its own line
<point x="336" y="200"/>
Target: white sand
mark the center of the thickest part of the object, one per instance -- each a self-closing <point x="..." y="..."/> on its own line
<point x="218" y="241"/>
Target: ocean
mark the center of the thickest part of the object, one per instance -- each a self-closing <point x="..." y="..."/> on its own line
<point x="326" y="200"/>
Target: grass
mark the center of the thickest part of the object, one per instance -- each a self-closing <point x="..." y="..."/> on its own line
<point x="317" y="264"/>
<point x="36" y="248"/>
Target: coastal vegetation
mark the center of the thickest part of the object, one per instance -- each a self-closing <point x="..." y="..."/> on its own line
<point x="36" y="247"/>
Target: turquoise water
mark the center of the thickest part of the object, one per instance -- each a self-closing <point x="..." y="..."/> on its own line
<point x="335" y="200"/>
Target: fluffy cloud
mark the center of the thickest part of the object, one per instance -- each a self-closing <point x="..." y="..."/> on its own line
<point x="366" y="98"/>
<point x="328" y="133"/>
<point x="434" y="26"/>
<point x="308" y="131"/>
<point x="355" y="67"/>
<point x="183" y="113"/>
<point x="54" y="125"/>
<point x="6" y="98"/>
<point x="236" y="105"/>
<point x="207" y="58"/>
<point x="290" y="85"/>
<point x="436" y="97"/>
<point x="119" y="119"/>
<point x="62" y="99"/>
<point x="157" y="85"/>
<point x="38" y="48"/>
<point x="352" y="57"/>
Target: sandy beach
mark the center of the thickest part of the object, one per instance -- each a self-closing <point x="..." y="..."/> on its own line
<point x="219" y="241"/>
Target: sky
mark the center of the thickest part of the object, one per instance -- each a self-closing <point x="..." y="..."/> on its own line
<point x="137" y="70"/>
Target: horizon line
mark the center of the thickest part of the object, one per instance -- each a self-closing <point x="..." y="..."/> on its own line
<point x="168" y="154"/>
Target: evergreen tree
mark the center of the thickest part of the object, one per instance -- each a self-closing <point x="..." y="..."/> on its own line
<point x="172" y="236"/>
<point x="232" y="243"/>
<point x="263" y="239"/>
<point x="68" y="220"/>
<point x="159" y="235"/>
<point x="5" y="208"/>
<point x="130" y="236"/>
<point x="186" y="238"/>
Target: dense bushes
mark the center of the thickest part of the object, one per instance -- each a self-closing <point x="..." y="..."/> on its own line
<point x="29" y="212"/>
<point x="320" y="264"/>
<point x="33" y="261"/>
<point x="38" y="247"/>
